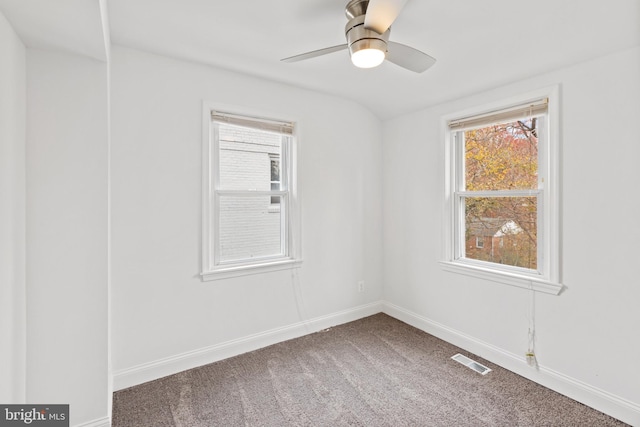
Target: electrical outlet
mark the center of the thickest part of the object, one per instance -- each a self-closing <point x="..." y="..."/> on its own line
<point x="361" y="286"/>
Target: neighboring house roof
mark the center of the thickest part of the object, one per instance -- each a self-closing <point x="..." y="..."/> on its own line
<point x="493" y="227"/>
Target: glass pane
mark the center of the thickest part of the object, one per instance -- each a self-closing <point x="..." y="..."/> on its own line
<point x="275" y="177"/>
<point x="275" y="200"/>
<point x="250" y="227"/>
<point x="247" y="158"/>
<point x="275" y="171"/>
<point x="507" y="228"/>
<point x="502" y="156"/>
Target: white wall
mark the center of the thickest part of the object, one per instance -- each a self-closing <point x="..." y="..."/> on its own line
<point x="12" y="214"/>
<point x="67" y="234"/>
<point x="586" y="337"/>
<point x="161" y="309"/>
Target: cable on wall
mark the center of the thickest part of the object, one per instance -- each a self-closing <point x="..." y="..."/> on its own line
<point x="297" y="293"/>
<point x="531" y="348"/>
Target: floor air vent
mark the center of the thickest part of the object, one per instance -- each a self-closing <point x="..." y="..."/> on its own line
<point x="471" y="364"/>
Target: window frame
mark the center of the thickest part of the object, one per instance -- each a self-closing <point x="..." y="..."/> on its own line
<point x="548" y="277"/>
<point x="211" y="267"/>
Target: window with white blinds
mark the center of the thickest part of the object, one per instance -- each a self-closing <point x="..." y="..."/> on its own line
<point x="502" y="193"/>
<point x="250" y="200"/>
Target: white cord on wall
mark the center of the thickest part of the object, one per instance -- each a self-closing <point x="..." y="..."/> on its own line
<point x="531" y="351"/>
<point x="297" y="293"/>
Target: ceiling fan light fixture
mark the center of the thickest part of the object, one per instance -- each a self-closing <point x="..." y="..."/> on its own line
<point x="368" y="53"/>
<point x="367" y="58"/>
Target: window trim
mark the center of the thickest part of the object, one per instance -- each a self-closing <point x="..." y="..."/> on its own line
<point x="549" y="281"/>
<point x="209" y="269"/>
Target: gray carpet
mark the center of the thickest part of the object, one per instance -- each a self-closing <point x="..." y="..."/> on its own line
<point x="375" y="371"/>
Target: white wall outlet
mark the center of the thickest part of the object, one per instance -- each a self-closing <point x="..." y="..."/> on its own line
<point x="361" y="286"/>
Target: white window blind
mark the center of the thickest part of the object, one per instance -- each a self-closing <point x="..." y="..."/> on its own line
<point x="266" y="125"/>
<point x="521" y="111"/>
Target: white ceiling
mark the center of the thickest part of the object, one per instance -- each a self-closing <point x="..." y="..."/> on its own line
<point x="478" y="44"/>
<point x="74" y="26"/>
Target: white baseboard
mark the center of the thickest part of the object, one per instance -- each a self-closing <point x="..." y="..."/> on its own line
<point x="171" y="365"/>
<point x="594" y="397"/>
<point x="100" y="422"/>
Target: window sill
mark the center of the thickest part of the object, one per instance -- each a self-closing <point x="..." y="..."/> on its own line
<point x="248" y="269"/>
<point x="512" y="279"/>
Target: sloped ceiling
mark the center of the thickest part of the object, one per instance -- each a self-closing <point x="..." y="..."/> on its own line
<point x="478" y="44"/>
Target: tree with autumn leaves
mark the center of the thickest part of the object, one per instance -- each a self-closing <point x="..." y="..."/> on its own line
<point x="502" y="157"/>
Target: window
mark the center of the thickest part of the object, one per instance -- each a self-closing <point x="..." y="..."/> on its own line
<point x="502" y="200"/>
<point x="274" y="160"/>
<point x="250" y="203"/>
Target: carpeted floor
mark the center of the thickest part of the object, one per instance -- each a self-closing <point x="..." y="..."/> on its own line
<point x="375" y="371"/>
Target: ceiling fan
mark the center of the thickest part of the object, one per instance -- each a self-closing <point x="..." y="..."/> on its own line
<point x="367" y="34"/>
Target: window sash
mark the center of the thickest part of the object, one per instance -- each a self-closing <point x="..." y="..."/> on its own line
<point x="457" y="127"/>
<point x="284" y="252"/>
<point x="281" y="128"/>
<point x="459" y="230"/>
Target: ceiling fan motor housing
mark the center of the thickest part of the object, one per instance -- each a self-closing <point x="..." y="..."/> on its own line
<point x="358" y="37"/>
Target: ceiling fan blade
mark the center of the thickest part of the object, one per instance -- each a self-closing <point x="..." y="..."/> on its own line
<point x="381" y="14"/>
<point x="408" y="57"/>
<point x="314" y="53"/>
